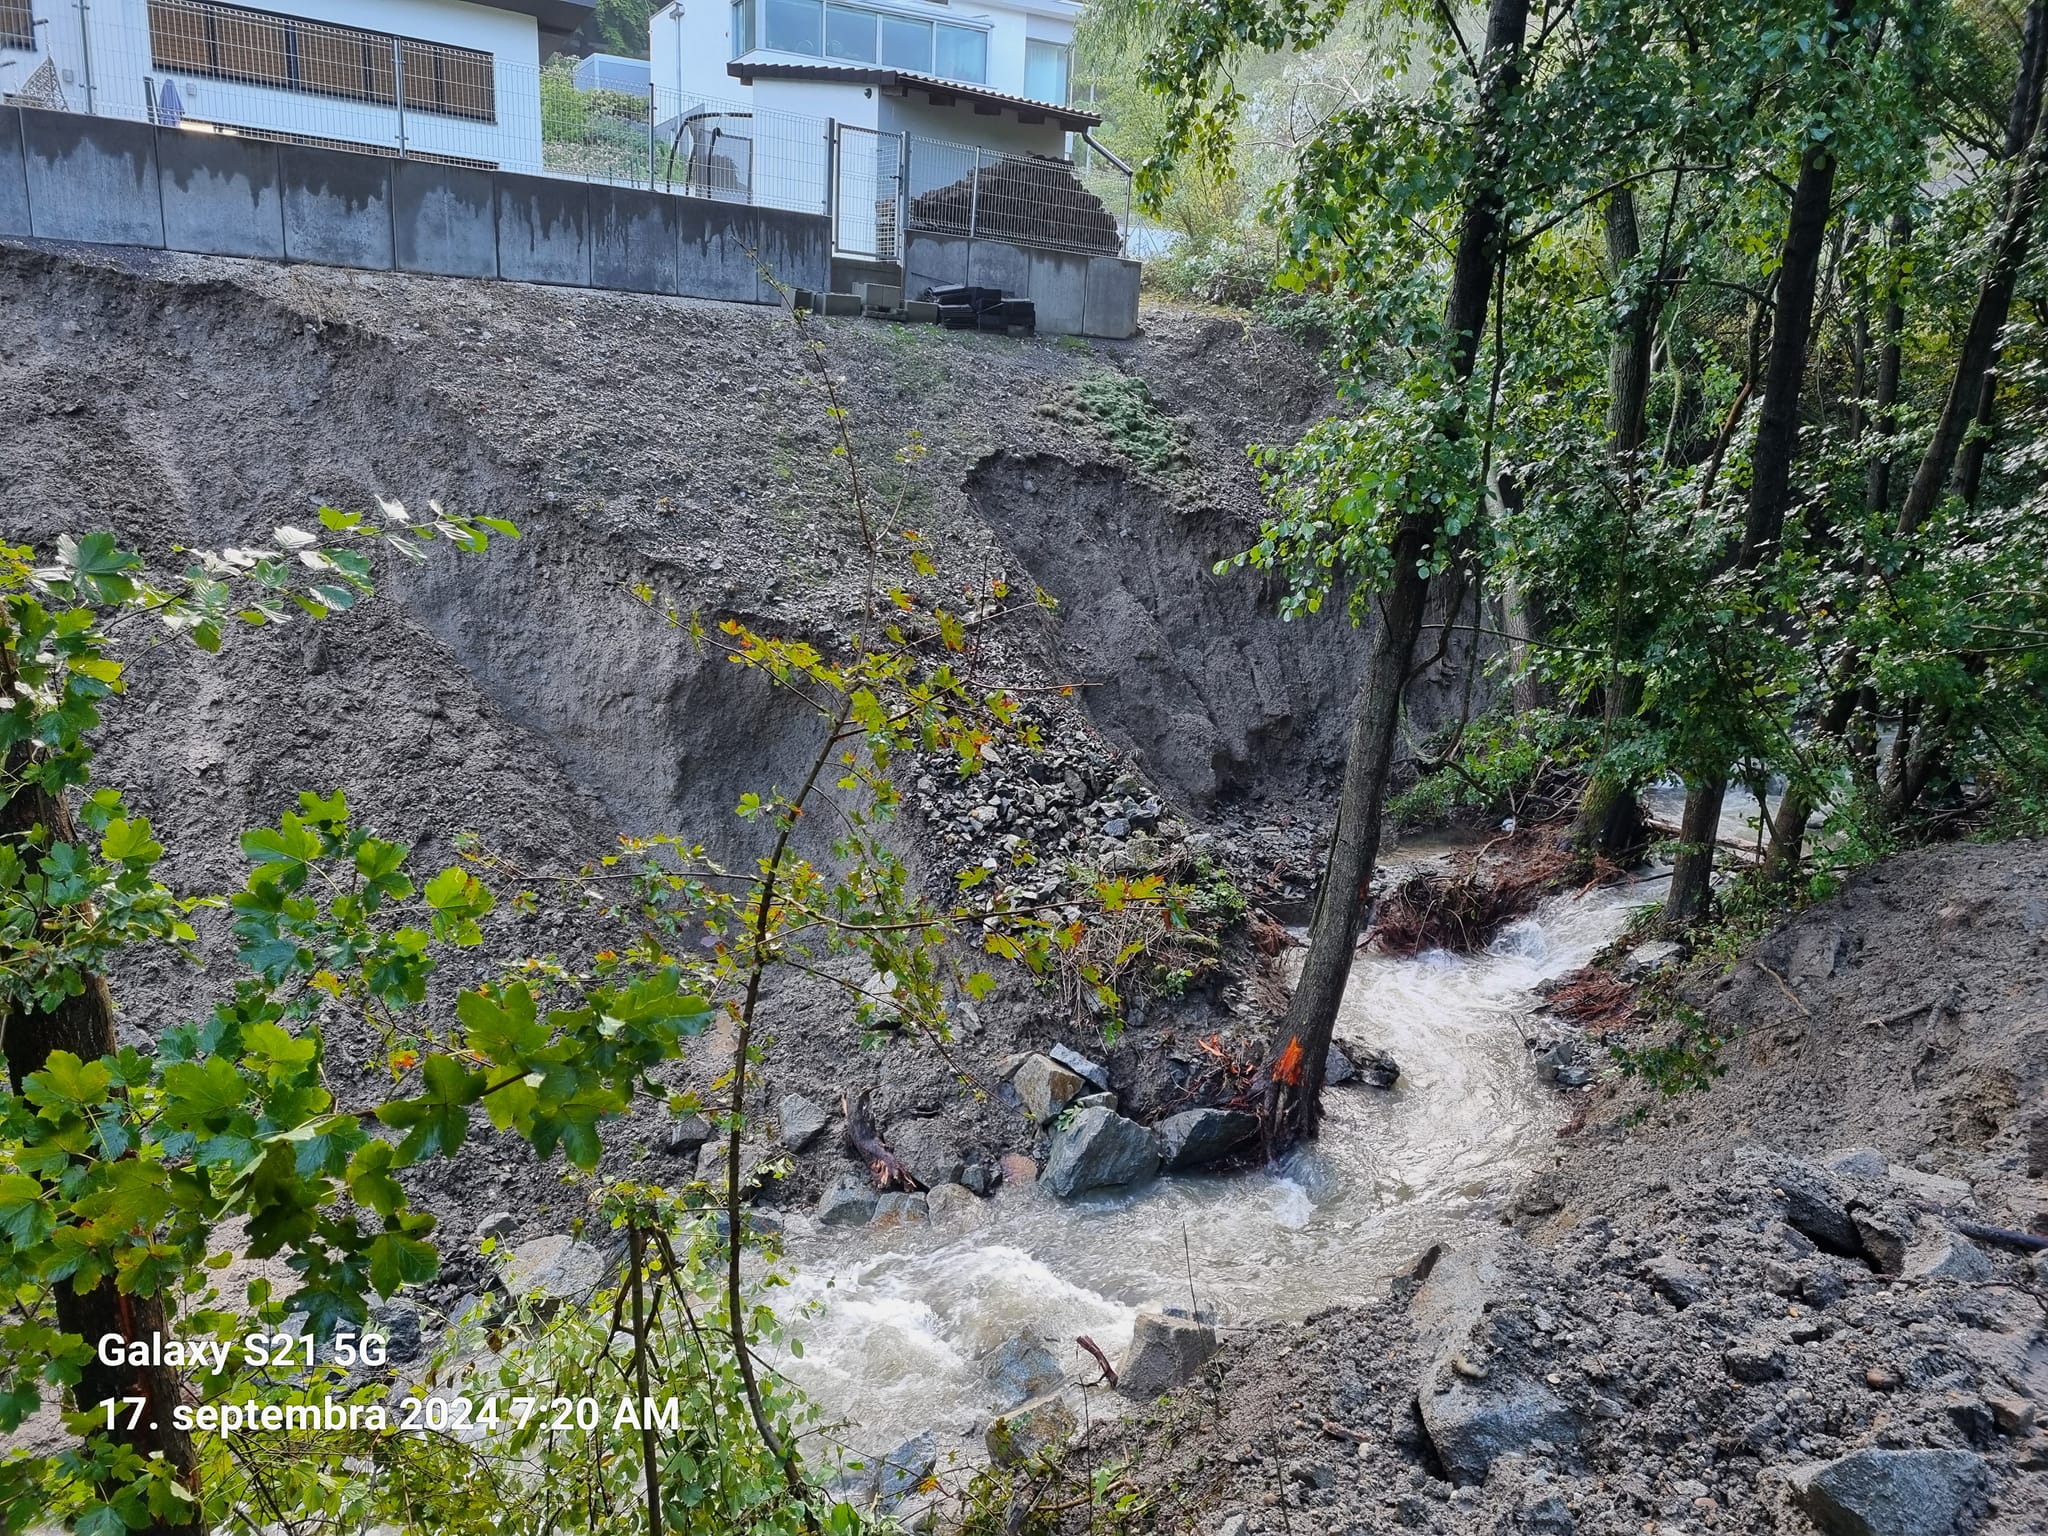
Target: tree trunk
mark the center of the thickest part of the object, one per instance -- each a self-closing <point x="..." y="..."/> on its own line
<point x="84" y="1026"/>
<point x="1770" y="478"/>
<point x="1994" y="303"/>
<point x="1609" y="821"/>
<point x="1692" y="872"/>
<point x="2026" y="96"/>
<point x="1884" y="413"/>
<point x="1300" y="1046"/>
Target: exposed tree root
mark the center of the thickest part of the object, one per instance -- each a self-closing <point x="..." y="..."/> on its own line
<point x="1593" y="1000"/>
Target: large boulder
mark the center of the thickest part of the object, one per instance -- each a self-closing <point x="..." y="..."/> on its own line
<point x="1039" y="1427"/>
<point x="849" y="1202"/>
<point x="884" y="1482"/>
<point x="802" y="1121"/>
<point x="928" y="1150"/>
<point x="1099" y="1149"/>
<point x="1196" y="1137"/>
<point x="1894" y="1493"/>
<point x="1021" y="1368"/>
<point x="1044" y="1087"/>
<point x="1814" y="1202"/>
<point x="1090" y="1072"/>
<point x="1475" y="1417"/>
<point x="1165" y="1353"/>
<point x="551" y="1270"/>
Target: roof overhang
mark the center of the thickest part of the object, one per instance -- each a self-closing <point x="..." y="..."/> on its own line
<point x="553" y="15"/>
<point x="940" y="93"/>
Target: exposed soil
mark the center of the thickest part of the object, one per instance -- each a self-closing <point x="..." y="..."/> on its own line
<point x="186" y="401"/>
<point x="1708" y="1298"/>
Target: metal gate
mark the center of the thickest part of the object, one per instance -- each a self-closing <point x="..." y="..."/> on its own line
<point x="867" y="192"/>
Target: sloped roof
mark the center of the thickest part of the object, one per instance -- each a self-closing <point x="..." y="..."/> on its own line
<point x="939" y="92"/>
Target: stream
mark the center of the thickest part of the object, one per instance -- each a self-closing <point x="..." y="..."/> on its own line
<point x="899" y="1320"/>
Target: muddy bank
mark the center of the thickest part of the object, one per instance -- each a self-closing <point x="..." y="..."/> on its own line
<point x="1744" y="1311"/>
<point x="185" y="401"/>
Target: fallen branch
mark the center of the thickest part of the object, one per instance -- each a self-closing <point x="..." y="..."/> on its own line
<point x="1108" y="1370"/>
<point x="2005" y="1237"/>
<point x="884" y="1166"/>
<point x="1344" y="1432"/>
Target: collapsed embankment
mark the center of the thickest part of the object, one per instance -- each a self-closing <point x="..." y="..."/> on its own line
<point x="527" y="697"/>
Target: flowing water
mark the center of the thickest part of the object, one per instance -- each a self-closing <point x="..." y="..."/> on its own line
<point x="893" y="1345"/>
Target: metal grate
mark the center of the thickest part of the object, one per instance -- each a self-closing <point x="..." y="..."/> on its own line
<point x="17" y="24"/>
<point x="229" y="42"/>
<point x="1032" y="200"/>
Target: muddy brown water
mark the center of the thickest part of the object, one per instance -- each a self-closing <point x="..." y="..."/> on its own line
<point x="895" y="1324"/>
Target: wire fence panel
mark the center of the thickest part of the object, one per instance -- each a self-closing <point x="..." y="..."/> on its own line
<point x="216" y="68"/>
<point x="208" y="67"/>
<point x="1030" y="200"/>
<point x="867" y="171"/>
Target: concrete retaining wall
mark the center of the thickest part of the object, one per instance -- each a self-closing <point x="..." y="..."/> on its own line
<point x="99" y="180"/>
<point x="1075" y="295"/>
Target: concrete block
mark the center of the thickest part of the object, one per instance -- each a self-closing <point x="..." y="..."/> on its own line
<point x="840" y="304"/>
<point x="1112" y="297"/>
<point x="886" y="297"/>
<point x="998" y="264"/>
<point x="796" y="249"/>
<point x="921" y="310"/>
<point x="91" y="178"/>
<point x="337" y="207"/>
<point x="543" y="230"/>
<point x="633" y="240"/>
<point x="934" y="261"/>
<point x="446" y="219"/>
<point x="14" y="218"/>
<point x="713" y="251"/>
<point x="223" y="196"/>
<point x="1059" y="290"/>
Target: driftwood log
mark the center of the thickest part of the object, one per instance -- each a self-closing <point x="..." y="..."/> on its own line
<point x="884" y="1166"/>
<point x="2004" y="1237"/>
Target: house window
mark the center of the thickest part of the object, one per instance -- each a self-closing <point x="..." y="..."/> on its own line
<point x="907" y="44"/>
<point x="794" y="26"/>
<point x="17" y="24"/>
<point x="849" y="34"/>
<point x="962" y="53"/>
<point x="226" y="42"/>
<point x="742" y="27"/>
<point x="1046" y="68"/>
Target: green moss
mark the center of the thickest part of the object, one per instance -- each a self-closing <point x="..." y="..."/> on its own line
<point x="1119" y="407"/>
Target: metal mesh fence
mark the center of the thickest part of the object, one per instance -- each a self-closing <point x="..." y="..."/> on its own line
<point x="217" y="68"/>
<point x="210" y="67"/>
<point x="1033" y="200"/>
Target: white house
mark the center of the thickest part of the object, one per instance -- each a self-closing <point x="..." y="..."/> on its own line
<point x="450" y="79"/>
<point x="916" y="88"/>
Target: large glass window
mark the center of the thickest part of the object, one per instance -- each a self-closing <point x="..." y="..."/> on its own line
<point x="742" y="27"/>
<point x="793" y="26"/>
<point x="849" y="34"/>
<point x="1046" y="67"/>
<point x="962" y="54"/>
<point x="907" y="44"/>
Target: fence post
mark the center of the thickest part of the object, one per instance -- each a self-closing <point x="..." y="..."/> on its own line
<point x="85" y="44"/>
<point x="398" y="89"/>
<point x="903" y="203"/>
<point x="832" y="178"/>
<point x="650" y="136"/>
<point x="974" y="196"/>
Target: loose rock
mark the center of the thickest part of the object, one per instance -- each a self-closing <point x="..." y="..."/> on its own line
<point x="1894" y="1493"/>
<point x="1038" y="1427"/>
<point x="1165" y="1353"/>
<point x="1196" y="1137"/>
<point x="1044" y="1087"/>
<point x="1099" y="1149"/>
<point x="1021" y="1368"/>
<point x="802" y="1122"/>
